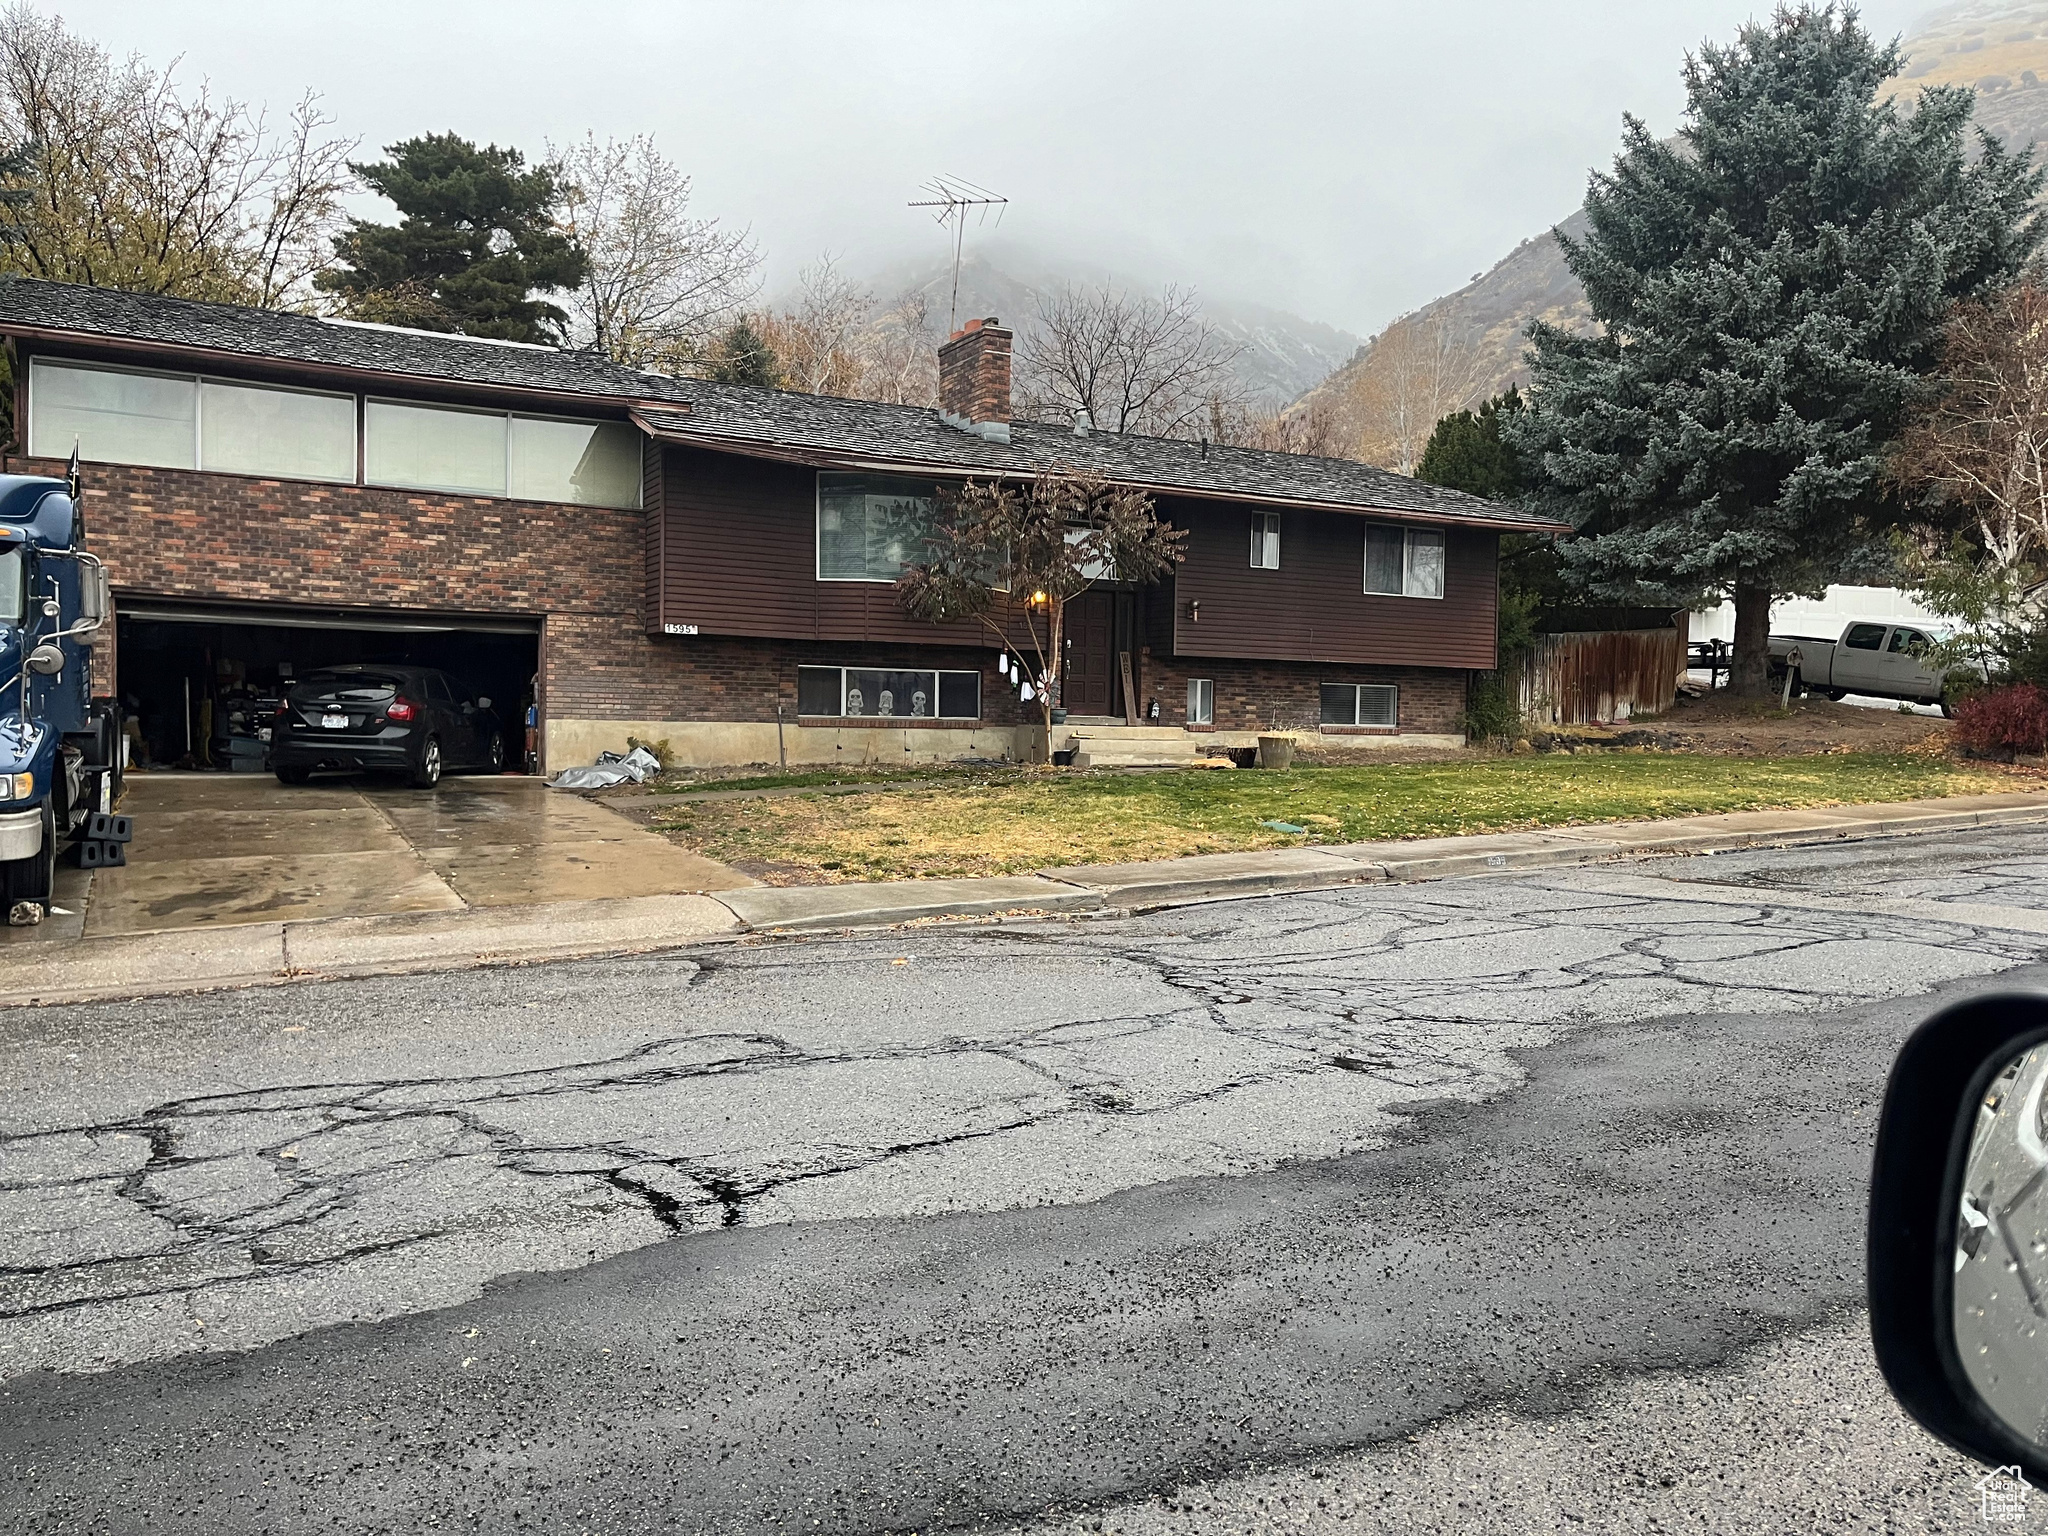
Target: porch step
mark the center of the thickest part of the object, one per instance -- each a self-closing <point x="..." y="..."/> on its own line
<point x="1132" y="747"/>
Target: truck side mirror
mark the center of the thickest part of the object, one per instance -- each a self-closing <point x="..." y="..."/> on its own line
<point x="483" y="703"/>
<point x="46" y="660"/>
<point x="1958" y="1238"/>
<point x="95" y="596"/>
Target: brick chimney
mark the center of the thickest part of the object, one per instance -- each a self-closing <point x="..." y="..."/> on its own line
<point x="974" y="378"/>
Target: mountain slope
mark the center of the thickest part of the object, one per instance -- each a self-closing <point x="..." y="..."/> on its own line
<point x="2000" y="50"/>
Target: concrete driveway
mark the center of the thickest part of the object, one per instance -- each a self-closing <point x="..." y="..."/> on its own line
<point x="215" y="850"/>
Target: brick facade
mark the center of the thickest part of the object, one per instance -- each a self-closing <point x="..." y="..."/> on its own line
<point x="1285" y="695"/>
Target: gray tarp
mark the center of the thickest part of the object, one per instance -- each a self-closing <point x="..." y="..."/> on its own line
<point x="636" y="767"/>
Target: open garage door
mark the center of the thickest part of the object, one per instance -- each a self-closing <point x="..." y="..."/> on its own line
<point x="201" y="680"/>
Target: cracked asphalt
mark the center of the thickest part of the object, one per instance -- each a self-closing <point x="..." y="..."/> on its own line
<point x="1039" y="1222"/>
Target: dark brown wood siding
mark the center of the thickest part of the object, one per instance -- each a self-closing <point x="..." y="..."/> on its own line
<point x="1315" y="607"/>
<point x="740" y="557"/>
<point x="654" y="530"/>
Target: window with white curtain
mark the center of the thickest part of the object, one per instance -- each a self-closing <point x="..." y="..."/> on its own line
<point x="248" y="429"/>
<point x="1404" y="562"/>
<point x="434" y="448"/>
<point x="1201" y="701"/>
<point x="113" y="415"/>
<point x="1266" y="541"/>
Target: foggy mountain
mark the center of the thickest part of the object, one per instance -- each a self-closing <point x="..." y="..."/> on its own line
<point x="1282" y="355"/>
<point x="1999" y="49"/>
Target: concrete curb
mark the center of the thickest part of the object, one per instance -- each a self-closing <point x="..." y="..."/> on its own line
<point x="186" y="960"/>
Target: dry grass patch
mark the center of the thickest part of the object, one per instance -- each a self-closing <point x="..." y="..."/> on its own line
<point x="1045" y="820"/>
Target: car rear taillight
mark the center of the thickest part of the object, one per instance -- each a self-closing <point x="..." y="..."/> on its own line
<point x="400" y="710"/>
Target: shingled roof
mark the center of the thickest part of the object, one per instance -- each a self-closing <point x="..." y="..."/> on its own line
<point x="737" y="418"/>
<point x="30" y="305"/>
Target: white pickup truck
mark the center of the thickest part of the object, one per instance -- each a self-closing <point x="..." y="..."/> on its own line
<point x="1887" y="661"/>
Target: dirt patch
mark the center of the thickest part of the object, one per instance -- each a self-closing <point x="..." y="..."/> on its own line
<point x="1749" y="728"/>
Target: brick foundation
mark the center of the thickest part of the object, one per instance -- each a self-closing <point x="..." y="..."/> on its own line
<point x="1284" y="695"/>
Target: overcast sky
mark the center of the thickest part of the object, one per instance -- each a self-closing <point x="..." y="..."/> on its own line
<point x="1346" y="161"/>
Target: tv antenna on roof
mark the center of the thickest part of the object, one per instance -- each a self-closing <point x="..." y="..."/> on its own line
<point x="953" y="196"/>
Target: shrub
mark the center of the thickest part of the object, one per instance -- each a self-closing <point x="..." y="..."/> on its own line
<point x="1999" y="720"/>
<point x="1492" y="708"/>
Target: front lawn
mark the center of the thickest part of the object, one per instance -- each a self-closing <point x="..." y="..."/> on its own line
<point x="1006" y="823"/>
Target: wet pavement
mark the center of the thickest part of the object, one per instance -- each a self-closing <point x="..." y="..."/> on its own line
<point x="217" y="850"/>
<point x="935" y="1227"/>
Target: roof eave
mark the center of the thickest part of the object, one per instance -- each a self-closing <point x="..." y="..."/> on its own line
<point x="827" y="458"/>
<point x="14" y="330"/>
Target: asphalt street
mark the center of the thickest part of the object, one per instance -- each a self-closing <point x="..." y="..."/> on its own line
<point x="1522" y="1179"/>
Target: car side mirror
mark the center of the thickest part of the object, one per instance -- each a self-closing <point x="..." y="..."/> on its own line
<point x="46" y="660"/>
<point x="1958" y="1238"/>
<point x="483" y="703"/>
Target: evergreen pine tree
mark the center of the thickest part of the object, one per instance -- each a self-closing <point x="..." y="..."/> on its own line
<point x="1769" y="288"/>
<point x="743" y="356"/>
<point x="475" y="242"/>
<point x="1468" y="451"/>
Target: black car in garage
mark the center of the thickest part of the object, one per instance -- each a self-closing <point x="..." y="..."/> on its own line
<point x="370" y="718"/>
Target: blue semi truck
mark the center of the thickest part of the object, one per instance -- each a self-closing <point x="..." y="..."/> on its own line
<point x="60" y="750"/>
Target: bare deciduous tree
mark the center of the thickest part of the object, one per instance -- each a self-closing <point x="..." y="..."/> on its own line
<point x="1317" y="426"/>
<point x="1014" y="556"/>
<point x="1124" y="364"/>
<point x="661" y="281"/>
<point x="900" y="354"/>
<point x="1980" y="448"/>
<point x="818" y="344"/>
<point x="1418" y="371"/>
<point x="139" y="184"/>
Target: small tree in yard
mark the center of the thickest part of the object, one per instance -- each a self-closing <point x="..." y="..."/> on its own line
<point x="1013" y="557"/>
<point x="1770" y="287"/>
<point x="1973" y="462"/>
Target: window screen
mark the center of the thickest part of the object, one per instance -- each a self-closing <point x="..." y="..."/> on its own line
<point x="1864" y="637"/>
<point x="1425" y="563"/>
<point x="114" y="417"/>
<point x="960" y="695"/>
<point x="871" y="526"/>
<point x="1201" y="701"/>
<point x="1376" y="704"/>
<point x="246" y="429"/>
<point x="430" y="448"/>
<point x="585" y="463"/>
<point x="1385" y="559"/>
<point x="1404" y="562"/>
<point x="1266" y="541"/>
<point x="817" y="690"/>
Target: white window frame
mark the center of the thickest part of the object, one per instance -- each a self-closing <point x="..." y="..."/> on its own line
<point x="937" y="673"/>
<point x="1356" y="696"/>
<point x="1265" y="549"/>
<point x="1407" y="562"/>
<point x="197" y="380"/>
<point x="1201" y="701"/>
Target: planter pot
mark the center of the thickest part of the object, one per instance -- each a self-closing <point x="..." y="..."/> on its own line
<point x="1276" y="751"/>
<point x="1059" y="717"/>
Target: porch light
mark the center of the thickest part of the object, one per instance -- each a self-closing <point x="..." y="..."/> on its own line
<point x="1038" y="599"/>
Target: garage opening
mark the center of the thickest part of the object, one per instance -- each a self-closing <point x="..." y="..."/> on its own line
<point x="201" y="682"/>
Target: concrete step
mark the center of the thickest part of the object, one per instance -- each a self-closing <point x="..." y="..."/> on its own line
<point x="1128" y="732"/>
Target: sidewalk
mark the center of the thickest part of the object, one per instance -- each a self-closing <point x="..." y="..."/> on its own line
<point x="145" y="964"/>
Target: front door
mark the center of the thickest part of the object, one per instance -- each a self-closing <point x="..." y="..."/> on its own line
<point x="1086" y="686"/>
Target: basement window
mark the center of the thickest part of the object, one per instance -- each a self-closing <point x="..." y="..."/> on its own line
<point x="883" y="693"/>
<point x="1404" y="562"/>
<point x="1361" y="704"/>
<point x="1201" y="701"/>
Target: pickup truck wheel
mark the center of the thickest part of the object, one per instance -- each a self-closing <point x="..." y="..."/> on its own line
<point x="293" y="775"/>
<point x="1836" y="695"/>
<point x="25" y="884"/>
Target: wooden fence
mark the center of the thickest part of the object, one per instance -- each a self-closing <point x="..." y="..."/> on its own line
<point x="1599" y="677"/>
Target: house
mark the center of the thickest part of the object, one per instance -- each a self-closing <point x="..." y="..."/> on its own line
<point x="633" y="554"/>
